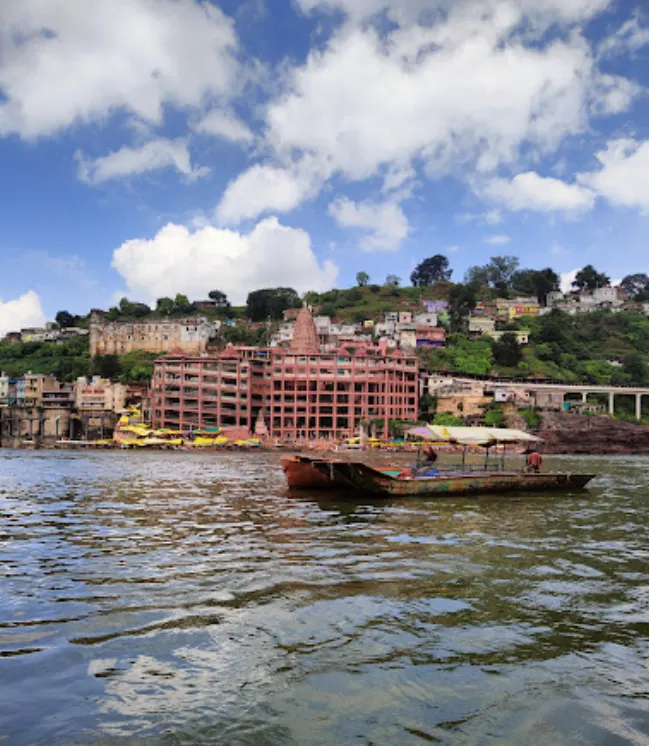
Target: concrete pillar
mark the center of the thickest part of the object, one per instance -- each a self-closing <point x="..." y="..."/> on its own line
<point x="638" y="406"/>
<point x="584" y="397"/>
<point x="611" y="403"/>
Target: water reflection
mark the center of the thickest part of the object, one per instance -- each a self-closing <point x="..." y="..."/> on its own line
<point x="177" y="599"/>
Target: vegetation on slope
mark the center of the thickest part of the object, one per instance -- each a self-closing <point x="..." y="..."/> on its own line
<point x="70" y="360"/>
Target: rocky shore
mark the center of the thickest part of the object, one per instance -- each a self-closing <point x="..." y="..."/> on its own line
<point x="576" y="434"/>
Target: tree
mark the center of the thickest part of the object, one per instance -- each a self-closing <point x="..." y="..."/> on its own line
<point x="392" y="281"/>
<point x="126" y="307"/>
<point x="635" y="369"/>
<point x="270" y="303"/>
<point x="351" y="296"/>
<point x="637" y="286"/>
<point x="362" y="278"/>
<point x="140" y="310"/>
<point x="495" y="417"/>
<point x="536" y="282"/>
<point x="477" y="276"/>
<point x="107" y="366"/>
<point x="507" y="351"/>
<point x="501" y="270"/>
<point x="590" y="279"/>
<point x="462" y="300"/>
<point x="220" y="298"/>
<point x="497" y="274"/>
<point x="165" y="306"/>
<point x="433" y="269"/>
<point x="65" y="319"/>
<point x="182" y="304"/>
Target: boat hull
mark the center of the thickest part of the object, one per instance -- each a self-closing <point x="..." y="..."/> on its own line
<point x="302" y="473"/>
<point x="359" y="476"/>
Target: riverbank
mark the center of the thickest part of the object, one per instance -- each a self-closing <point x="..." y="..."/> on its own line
<point x="562" y="433"/>
<point x="571" y="434"/>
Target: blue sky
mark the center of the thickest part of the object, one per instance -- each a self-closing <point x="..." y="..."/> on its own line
<point x="149" y="147"/>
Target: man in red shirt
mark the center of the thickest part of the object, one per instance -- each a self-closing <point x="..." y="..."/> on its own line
<point x="534" y="462"/>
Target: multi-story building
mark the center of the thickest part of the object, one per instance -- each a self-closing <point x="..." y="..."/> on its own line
<point x="99" y="395"/>
<point x="224" y="390"/>
<point x="413" y="336"/>
<point x="601" y="299"/>
<point x="189" y="336"/>
<point x="300" y="392"/>
<point x="515" y="308"/>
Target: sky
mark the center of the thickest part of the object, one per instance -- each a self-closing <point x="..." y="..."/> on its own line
<point x="150" y="147"/>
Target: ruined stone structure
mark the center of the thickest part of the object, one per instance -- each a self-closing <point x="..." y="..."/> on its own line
<point x="190" y="336"/>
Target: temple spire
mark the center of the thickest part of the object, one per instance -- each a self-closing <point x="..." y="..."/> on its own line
<point x="305" y="335"/>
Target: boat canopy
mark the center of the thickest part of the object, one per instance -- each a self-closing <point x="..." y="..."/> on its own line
<point x="472" y="436"/>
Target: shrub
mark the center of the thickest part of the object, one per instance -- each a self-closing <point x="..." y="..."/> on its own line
<point x="494" y="417"/>
<point x="446" y="419"/>
<point x="532" y="418"/>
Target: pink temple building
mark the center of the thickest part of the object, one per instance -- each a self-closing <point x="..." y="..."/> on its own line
<point x="298" y="393"/>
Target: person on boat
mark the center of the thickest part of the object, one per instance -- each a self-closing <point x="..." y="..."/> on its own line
<point x="534" y="462"/>
<point x="427" y="467"/>
<point x="430" y="456"/>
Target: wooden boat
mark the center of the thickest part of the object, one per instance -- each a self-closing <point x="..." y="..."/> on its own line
<point x="303" y="472"/>
<point x="358" y="476"/>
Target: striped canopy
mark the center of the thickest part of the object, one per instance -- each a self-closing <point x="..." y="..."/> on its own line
<point x="472" y="436"/>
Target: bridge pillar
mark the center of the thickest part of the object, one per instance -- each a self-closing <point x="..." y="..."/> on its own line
<point x="638" y="406"/>
<point x="584" y="397"/>
<point x="611" y="403"/>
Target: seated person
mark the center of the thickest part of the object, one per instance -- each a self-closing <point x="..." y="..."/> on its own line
<point x="534" y="463"/>
<point x="428" y="464"/>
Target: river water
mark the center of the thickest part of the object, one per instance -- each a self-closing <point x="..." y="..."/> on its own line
<point x="182" y="599"/>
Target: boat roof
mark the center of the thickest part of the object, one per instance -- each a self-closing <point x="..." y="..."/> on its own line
<point x="476" y="436"/>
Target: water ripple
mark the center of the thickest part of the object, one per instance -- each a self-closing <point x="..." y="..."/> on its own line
<point x="188" y="599"/>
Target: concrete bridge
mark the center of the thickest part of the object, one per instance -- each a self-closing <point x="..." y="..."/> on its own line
<point x="584" y="389"/>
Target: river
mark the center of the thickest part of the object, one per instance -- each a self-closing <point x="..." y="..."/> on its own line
<point x="180" y="599"/>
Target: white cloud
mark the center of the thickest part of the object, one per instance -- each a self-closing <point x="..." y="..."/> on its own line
<point x="152" y="156"/>
<point x="365" y="102"/>
<point x="529" y="191"/>
<point x="490" y="217"/>
<point x="398" y="176"/>
<point x="452" y="249"/>
<point x="570" y="11"/>
<point x="224" y="124"/>
<point x="614" y="94"/>
<point x="467" y="88"/>
<point x="500" y="239"/>
<point x="385" y="224"/>
<point x="267" y="188"/>
<point x="624" y="177"/>
<point x="65" y="62"/>
<point x="22" y="312"/>
<point x="566" y="279"/>
<point x="630" y="37"/>
<point x="493" y="217"/>
<point x="195" y="262"/>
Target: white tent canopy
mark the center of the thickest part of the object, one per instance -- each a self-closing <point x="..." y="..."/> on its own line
<point x="472" y="436"/>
